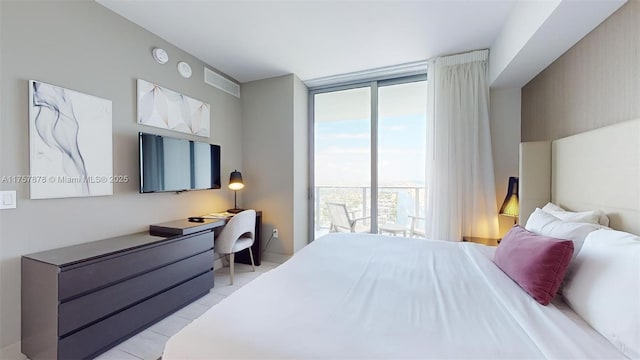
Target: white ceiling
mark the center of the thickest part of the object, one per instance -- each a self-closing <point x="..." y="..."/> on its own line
<point x="251" y="40"/>
<point x="256" y="39"/>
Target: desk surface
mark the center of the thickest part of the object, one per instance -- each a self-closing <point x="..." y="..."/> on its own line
<point x="69" y="255"/>
<point x="184" y="227"/>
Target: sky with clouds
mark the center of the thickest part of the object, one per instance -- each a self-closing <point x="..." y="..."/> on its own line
<point x="343" y="136"/>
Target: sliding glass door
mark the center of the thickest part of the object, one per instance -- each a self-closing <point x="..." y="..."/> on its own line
<point x="401" y="157"/>
<point x="342" y="176"/>
<point x="369" y="156"/>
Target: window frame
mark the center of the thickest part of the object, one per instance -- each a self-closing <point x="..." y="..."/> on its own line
<point x="374" y="85"/>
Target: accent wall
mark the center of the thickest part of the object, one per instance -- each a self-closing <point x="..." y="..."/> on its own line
<point x="594" y="84"/>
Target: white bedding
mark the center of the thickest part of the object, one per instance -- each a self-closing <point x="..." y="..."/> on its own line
<point x="370" y="296"/>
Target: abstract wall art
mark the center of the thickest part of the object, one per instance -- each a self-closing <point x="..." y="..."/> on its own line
<point x="70" y="138"/>
<point x="167" y="109"/>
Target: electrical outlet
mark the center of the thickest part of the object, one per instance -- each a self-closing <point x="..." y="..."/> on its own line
<point x="275" y="233"/>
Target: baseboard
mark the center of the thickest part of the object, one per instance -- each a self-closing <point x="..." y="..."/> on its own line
<point x="12" y="352"/>
<point x="275" y="257"/>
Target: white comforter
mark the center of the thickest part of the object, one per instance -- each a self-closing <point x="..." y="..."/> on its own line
<point x="349" y="296"/>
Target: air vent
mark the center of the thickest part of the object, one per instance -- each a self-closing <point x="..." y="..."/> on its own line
<point x="218" y="81"/>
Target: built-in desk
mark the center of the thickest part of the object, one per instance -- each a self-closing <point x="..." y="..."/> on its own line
<point x="185" y="227"/>
<point x="81" y="300"/>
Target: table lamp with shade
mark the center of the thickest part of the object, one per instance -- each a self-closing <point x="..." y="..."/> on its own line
<point x="510" y="204"/>
<point x="235" y="184"/>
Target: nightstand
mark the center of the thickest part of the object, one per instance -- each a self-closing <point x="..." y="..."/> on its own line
<point x="483" y="241"/>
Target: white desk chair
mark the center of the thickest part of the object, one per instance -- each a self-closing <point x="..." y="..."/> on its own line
<point x="237" y="235"/>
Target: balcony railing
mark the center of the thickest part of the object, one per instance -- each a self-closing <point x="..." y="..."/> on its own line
<point x="395" y="203"/>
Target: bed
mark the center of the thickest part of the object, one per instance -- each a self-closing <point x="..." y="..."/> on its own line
<point x="348" y="296"/>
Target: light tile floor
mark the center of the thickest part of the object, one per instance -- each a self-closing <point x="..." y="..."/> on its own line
<point x="149" y="344"/>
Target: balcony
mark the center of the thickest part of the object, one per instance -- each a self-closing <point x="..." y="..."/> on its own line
<point x="395" y="204"/>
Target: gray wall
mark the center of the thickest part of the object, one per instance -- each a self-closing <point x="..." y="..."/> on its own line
<point x="505" y="142"/>
<point x="594" y="84"/>
<point x="272" y="128"/>
<point x="300" y="164"/>
<point x="85" y="47"/>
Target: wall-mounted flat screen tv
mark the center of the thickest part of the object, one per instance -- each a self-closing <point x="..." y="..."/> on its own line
<point x="175" y="165"/>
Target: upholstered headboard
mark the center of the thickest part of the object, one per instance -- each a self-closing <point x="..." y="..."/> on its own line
<point x="598" y="169"/>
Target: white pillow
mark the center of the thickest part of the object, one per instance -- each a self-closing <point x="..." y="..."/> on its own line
<point x="551" y="207"/>
<point x="543" y="223"/>
<point x="604" y="287"/>
<point x="592" y="216"/>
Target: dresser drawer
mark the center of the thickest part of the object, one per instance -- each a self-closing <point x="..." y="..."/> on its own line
<point x="107" y="333"/>
<point x="96" y="305"/>
<point x="95" y="275"/>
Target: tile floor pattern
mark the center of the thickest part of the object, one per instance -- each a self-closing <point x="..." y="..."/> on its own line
<point x="149" y="344"/>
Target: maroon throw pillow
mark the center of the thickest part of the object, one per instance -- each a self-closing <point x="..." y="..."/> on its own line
<point x="537" y="263"/>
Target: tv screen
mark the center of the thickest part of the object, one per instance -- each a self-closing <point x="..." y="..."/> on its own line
<point x="171" y="164"/>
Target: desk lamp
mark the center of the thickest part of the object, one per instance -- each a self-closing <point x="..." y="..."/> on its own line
<point x="235" y="184"/>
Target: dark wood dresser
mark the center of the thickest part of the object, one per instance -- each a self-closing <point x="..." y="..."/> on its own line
<point x="81" y="300"/>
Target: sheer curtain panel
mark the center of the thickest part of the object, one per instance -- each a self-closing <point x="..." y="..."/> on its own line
<point x="461" y="198"/>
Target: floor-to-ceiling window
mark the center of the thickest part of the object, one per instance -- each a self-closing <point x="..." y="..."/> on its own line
<point x="368" y="156"/>
<point x="401" y="155"/>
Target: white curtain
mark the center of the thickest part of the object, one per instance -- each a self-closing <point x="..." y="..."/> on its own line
<point x="461" y="199"/>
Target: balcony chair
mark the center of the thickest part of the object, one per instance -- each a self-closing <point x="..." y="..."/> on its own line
<point x="414" y="229"/>
<point x="342" y="222"/>
<point x="237" y="235"/>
